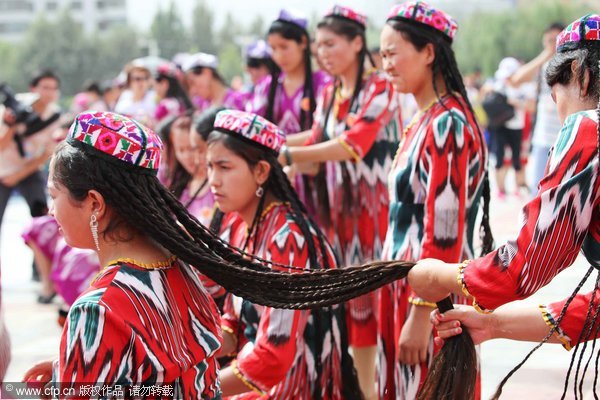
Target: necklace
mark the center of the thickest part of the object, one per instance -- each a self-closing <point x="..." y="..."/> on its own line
<point x="416" y="118"/>
<point x="149" y="266"/>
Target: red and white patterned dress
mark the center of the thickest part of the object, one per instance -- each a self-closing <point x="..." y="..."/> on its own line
<point x="136" y="326"/>
<point x="370" y="131"/>
<point x="435" y="191"/>
<point x="562" y="220"/>
<point x="277" y="348"/>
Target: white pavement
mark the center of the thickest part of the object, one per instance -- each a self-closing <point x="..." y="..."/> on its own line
<point x="35" y="334"/>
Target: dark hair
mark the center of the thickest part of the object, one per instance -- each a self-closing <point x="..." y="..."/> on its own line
<point x="177" y="176"/>
<point x="555" y="26"/>
<point x="291" y="31"/>
<point x="204" y="123"/>
<point x="214" y="73"/>
<point x="586" y="58"/>
<point x="445" y="65"/>
<point x="44" y="74"/>
<point x="176" y="91"/>
<point x="253" y="62"/>
<point x="350" y="30"/>
<point x="93" y="87"/>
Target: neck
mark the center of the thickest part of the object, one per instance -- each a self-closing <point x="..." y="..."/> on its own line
<point x="426" y="94"/>
<point x="297" y="74"/>
<point x="250" y="211"/>
<point x="140" y="248"/>
<point x="218" y="91"/>
<point x="197" y="180"/>
<point x="348" y="79"/>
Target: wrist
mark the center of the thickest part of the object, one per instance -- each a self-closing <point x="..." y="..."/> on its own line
<point x="287" y="155"/>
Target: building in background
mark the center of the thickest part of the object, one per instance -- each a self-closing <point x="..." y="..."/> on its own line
<point x="98" y="15"/>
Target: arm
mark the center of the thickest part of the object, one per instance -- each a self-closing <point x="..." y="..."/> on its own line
<point x="527" y="72"/>
<point x="553" y="228"/>
<point x="353" y="144"/>
<point x="298" y="139"/>
<point x="29" y="168"/>
<point x="7" y="133"/>
<point x="512" y="321"/>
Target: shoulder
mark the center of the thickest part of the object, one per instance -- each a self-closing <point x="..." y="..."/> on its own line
<point x="321" y="78"/>
<point x="451" y="115"/>
<point x="580" y="130"/>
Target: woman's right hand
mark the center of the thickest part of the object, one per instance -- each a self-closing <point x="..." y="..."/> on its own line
<point x="450" y="323"/>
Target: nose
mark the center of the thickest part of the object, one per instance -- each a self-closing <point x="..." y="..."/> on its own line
<point x="51" y="209"/>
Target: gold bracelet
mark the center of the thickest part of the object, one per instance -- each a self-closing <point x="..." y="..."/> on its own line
<point x="420" y="302"/>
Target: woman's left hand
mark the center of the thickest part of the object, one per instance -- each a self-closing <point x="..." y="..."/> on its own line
<point x="415" y="335"/>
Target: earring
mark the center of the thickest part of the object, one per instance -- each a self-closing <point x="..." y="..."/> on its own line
<point x="94" y="229"/>
<point x="260" y="191"/>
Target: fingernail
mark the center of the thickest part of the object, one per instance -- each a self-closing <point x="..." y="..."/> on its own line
<point x="458" y="330"/>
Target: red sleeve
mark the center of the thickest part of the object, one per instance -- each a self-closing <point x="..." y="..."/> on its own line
<point x="268" y="362"/>
<point x="230" y="320"/>
<point x="320" y="115"/>
<point x="378" y="104"/>
<point x="553" y="225"/>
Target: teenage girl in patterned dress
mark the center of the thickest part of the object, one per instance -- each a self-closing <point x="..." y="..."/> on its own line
<point x="558" y="223"/>
<point x="436" y="184"/>
<point x="355" y="135"/>
<point x="287" y="354"/>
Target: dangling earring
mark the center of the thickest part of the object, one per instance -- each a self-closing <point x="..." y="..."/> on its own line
<point x="260" y="191"/>
<point x="94" y="229"/>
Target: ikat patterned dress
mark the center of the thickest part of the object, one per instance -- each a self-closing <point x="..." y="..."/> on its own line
<point x="278" y="348"/>
<point x="562" y="220"/>
<point x="370" y="132"/>
<point x="136" y="326"/>
<point x="435" y="190"/>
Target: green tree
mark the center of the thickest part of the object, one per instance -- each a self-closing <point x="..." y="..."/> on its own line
<point x="229" y="31"/>
<point x="58" y="45"/>
<point x="257" y="27"/>
<point x="202" y="36"/>
<point x="230" y="61"/>
<point x="168" y="32"/>
<point x="516" y="33"/>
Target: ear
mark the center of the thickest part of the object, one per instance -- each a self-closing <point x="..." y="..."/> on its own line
<point x="429" y="53"/>
<point x="357" y="44"/>
<point x="584" y="90"/>
<point x="261" y="172"/>
<point x="96" y="204"/>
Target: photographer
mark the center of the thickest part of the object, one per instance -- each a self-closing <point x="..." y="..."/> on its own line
<point x="26" y="142"/>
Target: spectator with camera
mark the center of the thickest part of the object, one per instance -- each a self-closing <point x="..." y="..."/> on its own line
<point x="27" y="124"/>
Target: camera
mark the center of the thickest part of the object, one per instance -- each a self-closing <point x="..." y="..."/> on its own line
<point x="23" y="113"/>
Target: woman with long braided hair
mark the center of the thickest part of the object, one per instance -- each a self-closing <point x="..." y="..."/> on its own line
<point x="559" y="222"/>
<point x="356" y="132"/>
<point x="436" y="184"/>
<point x="279" y="353"/>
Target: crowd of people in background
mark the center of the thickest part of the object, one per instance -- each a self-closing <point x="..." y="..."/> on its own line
<point x="330" y="156"/>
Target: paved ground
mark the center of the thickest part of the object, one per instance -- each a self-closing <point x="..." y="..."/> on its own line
<point x="35" y="334"/>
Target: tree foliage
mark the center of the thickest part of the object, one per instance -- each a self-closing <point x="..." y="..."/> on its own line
<point x="168" y="31"/>
<point x="484" y="38"/>
<point x="202" y="29"/>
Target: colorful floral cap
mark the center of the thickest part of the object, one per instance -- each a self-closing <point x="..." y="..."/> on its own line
<point x="349" y="14"/>
<point x="581" y="31"/>
<point x="116" y="138"/>
<point x="294" y="17"/>
<point x="421" y="12"/>
<point x="200" y="60"/>
<point x="251" y="127"/>
<point x="259" y="49"/>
